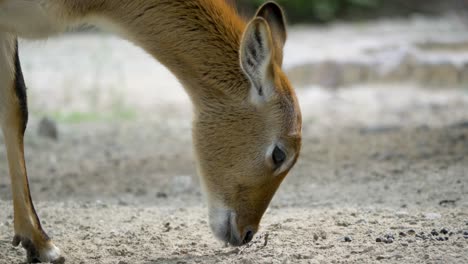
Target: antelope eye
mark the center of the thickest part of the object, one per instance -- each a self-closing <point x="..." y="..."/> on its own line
<point x="278" y="156"/>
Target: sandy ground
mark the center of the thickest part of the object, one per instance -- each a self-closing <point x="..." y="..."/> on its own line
<point x="380" y="162"/>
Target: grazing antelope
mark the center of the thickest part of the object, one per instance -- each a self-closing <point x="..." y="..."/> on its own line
<point x="247" y="121"/>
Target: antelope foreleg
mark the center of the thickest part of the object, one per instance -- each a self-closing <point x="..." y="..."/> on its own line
<point x="13" y="120"/>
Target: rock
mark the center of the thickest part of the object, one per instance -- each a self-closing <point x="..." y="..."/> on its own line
<point x="388" y="240"/>
<point x="411" y="232"/>
<point x="434" y="232"/>
<point x="347" y="239"/>
<point x="316" y="237"/>
<point x="378" y="240"/>
<point x="444" y="231"/>
<point x="161" y="195"/>
<point x="48" y="128"/>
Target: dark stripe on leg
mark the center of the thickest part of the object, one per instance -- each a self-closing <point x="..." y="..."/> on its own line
<point x="20" y="89"/>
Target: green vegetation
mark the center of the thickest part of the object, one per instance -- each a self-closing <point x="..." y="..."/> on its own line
<point x="75" y="117"/>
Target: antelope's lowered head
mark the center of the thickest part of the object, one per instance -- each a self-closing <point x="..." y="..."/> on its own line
<point x="247" y="144"/>
<point x="247" y="121"/>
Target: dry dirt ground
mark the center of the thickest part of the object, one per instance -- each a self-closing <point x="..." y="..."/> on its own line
<point x="380" y="162"/>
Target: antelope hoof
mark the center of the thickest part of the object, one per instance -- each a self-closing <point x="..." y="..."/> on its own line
<point x="48" y="254"/>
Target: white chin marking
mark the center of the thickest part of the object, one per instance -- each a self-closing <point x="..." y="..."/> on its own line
<point x="220" y="222"/>
<point x="50" y="254"/>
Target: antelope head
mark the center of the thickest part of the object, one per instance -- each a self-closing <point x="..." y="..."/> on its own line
<point x="245" y="147"/>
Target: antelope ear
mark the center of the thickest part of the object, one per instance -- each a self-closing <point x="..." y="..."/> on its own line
<point x="274" y="15"/>
<point x="256" y="51"/>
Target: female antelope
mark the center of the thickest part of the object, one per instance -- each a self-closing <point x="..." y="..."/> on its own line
<point x="247" y="122"/>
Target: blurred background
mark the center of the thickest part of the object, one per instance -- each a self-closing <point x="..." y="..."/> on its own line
<point x="323" y="11"/>
<point x="383" y="88"/>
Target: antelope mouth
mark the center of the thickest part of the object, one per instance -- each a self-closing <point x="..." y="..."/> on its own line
<point x="223" y="225"/>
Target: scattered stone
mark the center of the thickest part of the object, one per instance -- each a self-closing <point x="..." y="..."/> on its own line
<point x="444" y="231"/>
<point x="421" y="236"/>
<point x="122" y="202"/>
<point x="347" y="239"/>
<point x="380" y="257"/>
<point x="388" y="241"/>
<point x="316" y="236"/>
<point x="402" y="234"/>
<point x="404" y="244"/>
<point x="465" y="233"/>
<point x="343" y="223"/>
<point x="411" y="232"/>
<point x="167" y="227"/>
<point x="265" y="242"/>
<point x="440" y="239"/>
<point x="378" y="240"/>
<point x="434" y="232"/>
<point x="48" y="128"/>
<point x="161" y="195"/>
<point x="448" y="202"/>
<point x="361" y="221"/>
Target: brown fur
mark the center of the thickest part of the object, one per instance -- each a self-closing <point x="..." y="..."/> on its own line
<point x="199" y="41"/>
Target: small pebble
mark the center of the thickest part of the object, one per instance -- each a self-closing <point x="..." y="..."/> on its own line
<point x="316" y="237"/>
<point x="444" y="231"/>
<point x="411" y="232"/>
<point x="440" y="239"/>
<point x="48" y="128"/>
<point x="378" y="240"/>
<point x="434" y="232"/>
<point x="161" y="195"/>
<point x="388" y="240"/>
<point x="465" y="233"/>
<point x="404" y="244"/>
<point x="347" y="239"/>
<point x="402" y="234"/>
<point x="421" y="236"/>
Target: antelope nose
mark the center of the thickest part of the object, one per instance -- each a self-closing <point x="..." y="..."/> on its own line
<point x="248" y="235"/>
